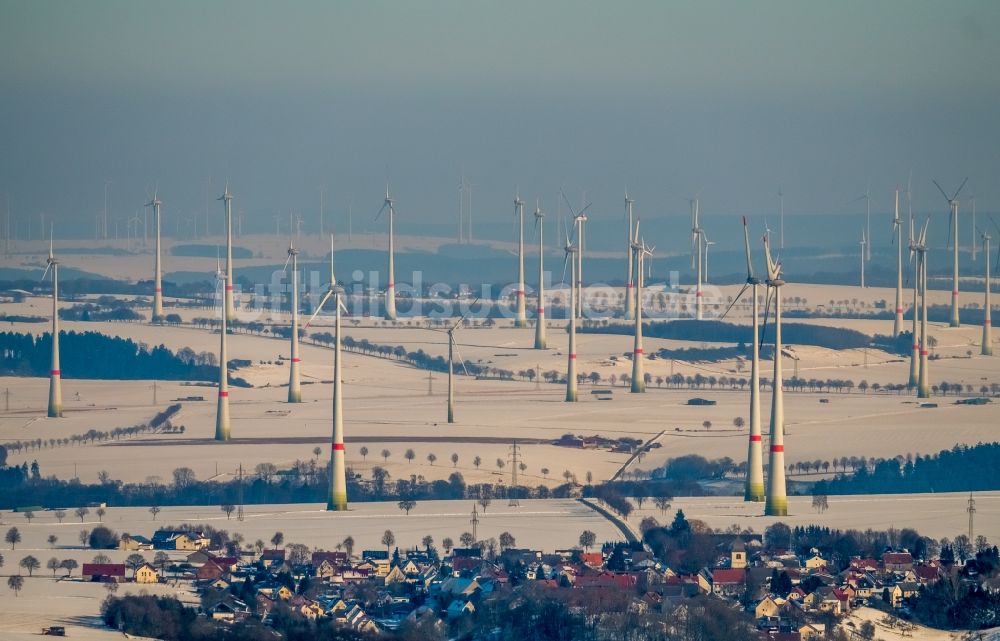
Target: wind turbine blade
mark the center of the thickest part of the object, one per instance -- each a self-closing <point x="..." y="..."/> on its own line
<point x="746" y="241"/>
<point x="46" y="272"/>
<point x="735" y="300"/>
<point x="571" y="211"/>
<point x="379" y="214"/>
<point x="319" y="307"/>
<point x="959" y="190"/>
<point x="767" y="309"/>
<point x="287" y="260"/>
<point x="941" y="190"/>
<point x="951" y="218"/>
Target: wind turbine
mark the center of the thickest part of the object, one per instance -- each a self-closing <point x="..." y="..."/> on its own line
<point x="708" y="243"/>
<point x="923" y="378"/>
<point x="294" y="384"/>
<point x="461" y="209"/>
<point x="629" y="252"/>
<point x="540" y="314"/>
<point x="337" y="499"/>
<point x="55" y="375"/>
<point x="222" y="409"/>
<point x="754" y="487"/>
<point x="156" y="203"/>
<point x="570" y="256"/>
<point x="390" y="290"/>
<point x="897" y="227"/>
<point x="520" y="320"/>
<point x="227" y="198"/>
<point x="697" y="247"/>
<point x="638" y="374"/>
<point x="863" y="244"/>
<point x="953" y="235"/>
<point x="451" y="364"/>
<point x="579" y="219"/>
<point x="776" y="501"/>
<point x="987" y="346"/>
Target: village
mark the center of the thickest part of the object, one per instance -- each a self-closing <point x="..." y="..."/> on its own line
<point x="789" y="596"/>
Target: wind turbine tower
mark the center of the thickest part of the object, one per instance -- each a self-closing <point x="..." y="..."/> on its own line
<point x="629" y="252"/>
<point x="156" y="203"/>
<point x="638" y="374"/>
<point x="897" y="226"/>
<point x="227" y="198"/>
<point x="863" y="244"/>
<point x="776" y="501"/>
<point x="923" y="378"/>
<point x="754" y="488"/>
<point x="390" y="289"/>
<point x="222" y="410"/>
<point x="294" y="384"/>
<point x="337" y="499"/>
<point x="540" y="314"/>
<point x="55" y="375"/>
<point x="953" y="232"/>
<point x="571" y="250"/>
<point x="697" y="246"/>
<point x="520" y="320"/>
<point x="987" y="348"/>
<point x="451" y="366"/>
<point x="915" y="351"/>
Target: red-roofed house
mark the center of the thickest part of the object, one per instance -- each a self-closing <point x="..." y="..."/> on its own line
<point x="606" y="580"/>
<point x="104" y="572"/>
<point x="728" y="581"/>
<point x="897" y="561"/>
<point x="592" y="559"/>
<point x="335" y="559"/>
<point x="927" y="574"/>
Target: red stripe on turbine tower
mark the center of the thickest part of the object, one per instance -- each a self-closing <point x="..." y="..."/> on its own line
<point x="224" y="394"/>
<point x="158" y="290"/>
<point x="229" y="288"/>
<point x="699" y="293"/>
<point x="56" y="372"/>
<point x="572" y="357"/>
<point x="755" y="438"/>
<point x="777" y="448"/>
<point x="637" y="351"/>
<point x="339" y="447"/>
<point x="520" y="292"/>
<point x="296" y="360"/>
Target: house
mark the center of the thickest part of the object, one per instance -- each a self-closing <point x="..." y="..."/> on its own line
<point x="179" y="540"/>
<point x="592" y="559"/>
<point x="728" y="581"/>
<point x="812" y="631"/>
<point x="768" y="607"/>
<point x="903" y="590"/>
<point x="897" y="561"/>
<point x="104" y="572"/>
<point x="333" y="559"/>
<point x="606" y="580"/>
<point x="927" y="574"/>
<point x="815" y="562"/>
<point x="458" y="608"/>
<point x="229" y="609"/>
<point x="134" y="543"/>
<point x="146" y="573"/>
<point x="209" y="572"/>
<point x="271" y="557"/>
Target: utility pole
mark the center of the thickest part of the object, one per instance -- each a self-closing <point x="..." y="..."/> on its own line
<point x="154" y="392"/>
<point x="430" y="383"/>
<point x="972" y="511"/>
<point x="6" y="404"/>
<point x="239" y="506"/>
<point x="475" y="522"/>
<point x="514" y="462"/>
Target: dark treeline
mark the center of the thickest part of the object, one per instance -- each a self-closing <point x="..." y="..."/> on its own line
<point x="722" y="332"/>
<point x="92" y="355"/>
<point x="71" y="287"/>
<point x="961" y="469"/>
<point x="305" y="482"/>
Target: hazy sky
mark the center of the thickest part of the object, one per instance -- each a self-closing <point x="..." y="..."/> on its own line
<point x="729" y="98"/>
